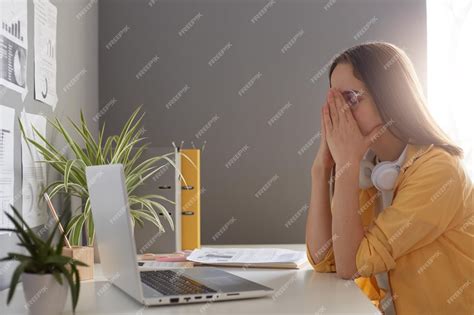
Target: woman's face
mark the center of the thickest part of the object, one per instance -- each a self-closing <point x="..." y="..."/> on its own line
<point x="365" y="112"/>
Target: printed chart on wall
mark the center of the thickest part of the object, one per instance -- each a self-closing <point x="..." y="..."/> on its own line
<point x="33" y="173"/>
<point x="7" y="176"/>
<point x="45" y="52"/>
<point x="13" y="45"/>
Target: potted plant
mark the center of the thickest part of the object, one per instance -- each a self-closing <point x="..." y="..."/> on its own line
<point x="125" y="148"/>
<point x="45" y="273"/>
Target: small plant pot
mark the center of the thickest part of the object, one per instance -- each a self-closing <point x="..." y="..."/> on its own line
<point x="44" y="295"/>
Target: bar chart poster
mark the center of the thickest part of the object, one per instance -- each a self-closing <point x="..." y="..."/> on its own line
<point x="45" y="52"/>
<point x="13" y="45"/>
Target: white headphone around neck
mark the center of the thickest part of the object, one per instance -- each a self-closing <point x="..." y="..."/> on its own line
<point x="383" y="175"/>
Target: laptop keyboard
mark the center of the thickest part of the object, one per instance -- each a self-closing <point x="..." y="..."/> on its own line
<point x="169" y="282"/>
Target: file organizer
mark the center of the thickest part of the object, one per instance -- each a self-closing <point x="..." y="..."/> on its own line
<point x="191" y="199"/>
<point x="166" y="182"/>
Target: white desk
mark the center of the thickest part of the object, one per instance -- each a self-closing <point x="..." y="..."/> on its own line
<point x="296" y="292"/>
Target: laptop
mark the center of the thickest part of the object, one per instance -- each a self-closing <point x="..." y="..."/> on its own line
<point x="116" y="244"/>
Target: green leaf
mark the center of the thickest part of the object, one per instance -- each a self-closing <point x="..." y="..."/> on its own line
<point x="67" y="172"/>
<point x="57" y="259"/>
<point x="72" y="286"/>
<point x="15" y="278"/>
<point x="90" y="230"/>
<point x="77" y="233"/>
<point x="58" y="277"/>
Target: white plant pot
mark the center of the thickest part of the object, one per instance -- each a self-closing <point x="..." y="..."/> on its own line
<point x="43" y="294"/>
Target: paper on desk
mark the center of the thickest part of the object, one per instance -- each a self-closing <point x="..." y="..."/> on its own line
<point x="246" y="255"/>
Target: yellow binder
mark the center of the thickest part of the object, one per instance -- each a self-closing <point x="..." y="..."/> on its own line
<point x="191" y="199"/>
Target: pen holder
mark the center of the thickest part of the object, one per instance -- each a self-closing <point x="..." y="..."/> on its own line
<point x="84" y="254"/>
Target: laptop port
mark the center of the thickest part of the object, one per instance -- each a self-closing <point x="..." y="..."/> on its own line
<point x="174" y="300"/>
<point x="198" y="297"/>
<point x="208" y="296"/>
<point x="187" y="299"/>
<point x="230" y="294"/>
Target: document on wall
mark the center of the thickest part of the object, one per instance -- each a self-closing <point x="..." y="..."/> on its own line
<point x="45" y="52"/>
<point x="33" y="172"/>
<point x="13" y="45"/>
<point x="249" y="257"/>
<point x="7" y="174"/>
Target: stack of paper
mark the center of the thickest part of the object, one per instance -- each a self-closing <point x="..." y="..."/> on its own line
<point x="249" y="257"/>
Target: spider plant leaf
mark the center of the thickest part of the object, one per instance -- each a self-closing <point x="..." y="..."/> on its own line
<point x="124" y="152"/>
<point x="52" y="185"/>
<point x="129" y="123"/>
<point x="29" y="140"/>
<point x="90" y="147"/>
<point x="99" y="159"/>
<point x="67" y="172"/>
<point x="141" y="214"/>
<point x="147" y="204"/>
<point x="77" y="232"/>
<point x="72" y="222"/>
<point x="150" y="211"/>
<point x="164" y="211"/>
<point x="154" y="196"/>
<point x="72" y="144"/>
<point x="189" y="160"/>
<point x="56" y="189"/>
<point x="136" y="156"/>
<point x="149" y="162"/>
<point x="180" y="175"/>
<point x="90" y="230"/>
<point x="123" y="140"/>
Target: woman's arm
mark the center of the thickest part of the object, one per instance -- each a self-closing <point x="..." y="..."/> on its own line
<point x="347" y="146"/>
<point x="346" y="222"/>
<point x="318" y="221"/>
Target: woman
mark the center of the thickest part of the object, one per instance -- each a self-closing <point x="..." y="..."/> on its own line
<point x="408" y="241"/>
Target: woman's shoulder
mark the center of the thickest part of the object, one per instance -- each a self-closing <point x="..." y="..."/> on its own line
<point x="434" y="169"/>
<point x="432" y="159"/>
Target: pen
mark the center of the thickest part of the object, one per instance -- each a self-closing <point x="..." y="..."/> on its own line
<point x="55" y="215"/>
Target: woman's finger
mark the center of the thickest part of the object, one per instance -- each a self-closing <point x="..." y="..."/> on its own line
<point x="327" y="120"/>
<point x="349" y="116"/>
<point x="332" y="109"/>
<point x="341" y="105"/>
<point x="323" y="129"/>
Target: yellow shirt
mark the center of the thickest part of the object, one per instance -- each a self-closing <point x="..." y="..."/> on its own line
<point x="425" y="239"/>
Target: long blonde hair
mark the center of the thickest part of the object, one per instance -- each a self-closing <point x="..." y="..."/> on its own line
<point x="393" y="84"/>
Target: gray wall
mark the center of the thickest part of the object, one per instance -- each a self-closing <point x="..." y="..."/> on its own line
<point x="76" y="50"/>
<point x="144" y="34"/>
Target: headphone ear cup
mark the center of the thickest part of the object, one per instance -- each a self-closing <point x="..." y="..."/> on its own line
<point x="365" y="173"/>
<point x="384" y="176"/>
